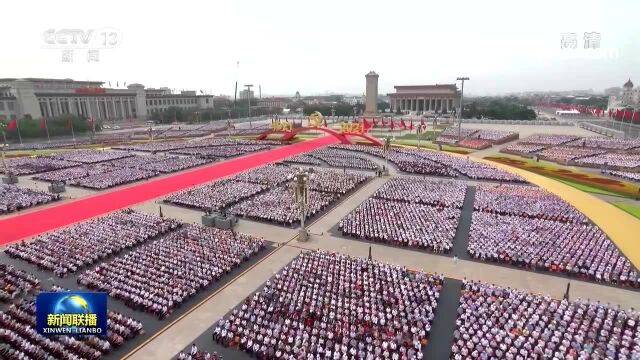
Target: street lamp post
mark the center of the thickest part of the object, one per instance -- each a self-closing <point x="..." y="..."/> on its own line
<point x="249" y="99"/>
<point x="333" y="114"/>
<point x="300" y="184"/>
<point x="463" y="78"/>
<point x="419" y="131"/>
<point x="4" y="144"/>
<point x="387" y="145"/>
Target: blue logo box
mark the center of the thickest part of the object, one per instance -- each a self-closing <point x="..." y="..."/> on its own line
<point x="71" y="313"/>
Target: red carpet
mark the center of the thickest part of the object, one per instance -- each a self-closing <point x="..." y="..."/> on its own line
<point x="23" y="225"/>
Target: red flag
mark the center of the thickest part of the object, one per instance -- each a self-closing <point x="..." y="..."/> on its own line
<point x="392" y="125"/>
<point x="42" y="123"/>
<point x="384" y="123"/>
<point x="411" y="125"/>
<point x="402" y="124"/>
<point x="610" y="112"/>
<point x="324" y="122"/>
<point x="375" y="122"/>
<point x="618" y="114"/>
<point x="365" y="125"/>
<point x="626" y="114"/>
<point x="636" y="116"/>
<point x="12" y="124"/>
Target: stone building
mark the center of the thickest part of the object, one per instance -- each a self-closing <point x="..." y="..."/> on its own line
<point x="40" y="97"/>
<point x="627" y="97"/>
<point x="425" y="98"/>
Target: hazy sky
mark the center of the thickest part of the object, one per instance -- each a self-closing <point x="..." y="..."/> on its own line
<point x="328" y="46"/>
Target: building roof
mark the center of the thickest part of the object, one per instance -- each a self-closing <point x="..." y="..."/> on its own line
<point x="628" y="84"/>
<point x="420" y="87"/>
<point x="445" y="89"/>
<point x="51" y="80"/>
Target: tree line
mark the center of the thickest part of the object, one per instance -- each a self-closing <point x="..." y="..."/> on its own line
<point x="498" y="109"/>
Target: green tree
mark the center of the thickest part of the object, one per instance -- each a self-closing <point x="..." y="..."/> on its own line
<point x="506" y="108"/>
<point x="383" y="106"/>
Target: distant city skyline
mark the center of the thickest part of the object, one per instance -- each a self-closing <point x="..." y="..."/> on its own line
<point x="503" y="47"/>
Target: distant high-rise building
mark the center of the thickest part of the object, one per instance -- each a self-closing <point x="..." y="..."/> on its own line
<point x="245" y="94"/>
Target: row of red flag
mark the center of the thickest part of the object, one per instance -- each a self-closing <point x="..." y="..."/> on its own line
<point x="580" y="108"/>
<point x="618" y="114"/>
<point x="625" y="114"/>
<point x="374" y="123"/>
<point x="380" y="123"/>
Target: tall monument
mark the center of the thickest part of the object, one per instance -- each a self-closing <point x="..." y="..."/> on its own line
<point x="371" y="100"/>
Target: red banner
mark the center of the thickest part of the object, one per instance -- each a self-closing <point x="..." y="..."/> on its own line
<point x="89" y="90"/>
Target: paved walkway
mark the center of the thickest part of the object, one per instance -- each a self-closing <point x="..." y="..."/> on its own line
<point x="444" y="323"/>
<point x="461" y="239"/>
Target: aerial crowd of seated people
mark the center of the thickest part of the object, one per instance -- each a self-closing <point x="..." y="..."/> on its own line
<point x="343" y="159"/>
<point x="617" y="153"/>
<point x="216" y="195"/>
<point x="32" y="165"/>
<point x="14" y="198"/>
<point x="334" y="306"/>
<point x="196" y="354"/>
<point x="532" y="228"/>
<point x="159" y="276"/>
<point x="409" y="212"/>
<point x="278" y="204"/>
<point x="103" y="169"/>
<point x="221" y="151"/>
<point x="15" y="283"/>
<point x="70" y="249"/>
<point x="19" y="339"/>
<point x="503" y="323"/>
<point x="436" y="163"/>
<point x="474" y="138"/>
<point x="633" y="176"/>
<point x="323" y="304"/>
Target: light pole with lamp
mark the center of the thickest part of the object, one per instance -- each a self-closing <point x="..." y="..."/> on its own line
<point x="249" y="100"/>
<point x="333" y="114"/>
<point x="9" y="177"/>
<point x="3" y="126"/>
<point x="462" y="78"/>
<point x="387" y="145"/>
<point x="300" y="185"/>
<point x="419" y="132"/>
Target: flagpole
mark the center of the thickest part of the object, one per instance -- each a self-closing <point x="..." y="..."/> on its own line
<point x="4" y="164"/>
<point x="46" y="128"/>
<point x="18" y="127"/>
<point x="73" y="134"/>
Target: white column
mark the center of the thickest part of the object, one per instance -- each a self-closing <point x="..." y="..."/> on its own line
<point x="121" y="108"/>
